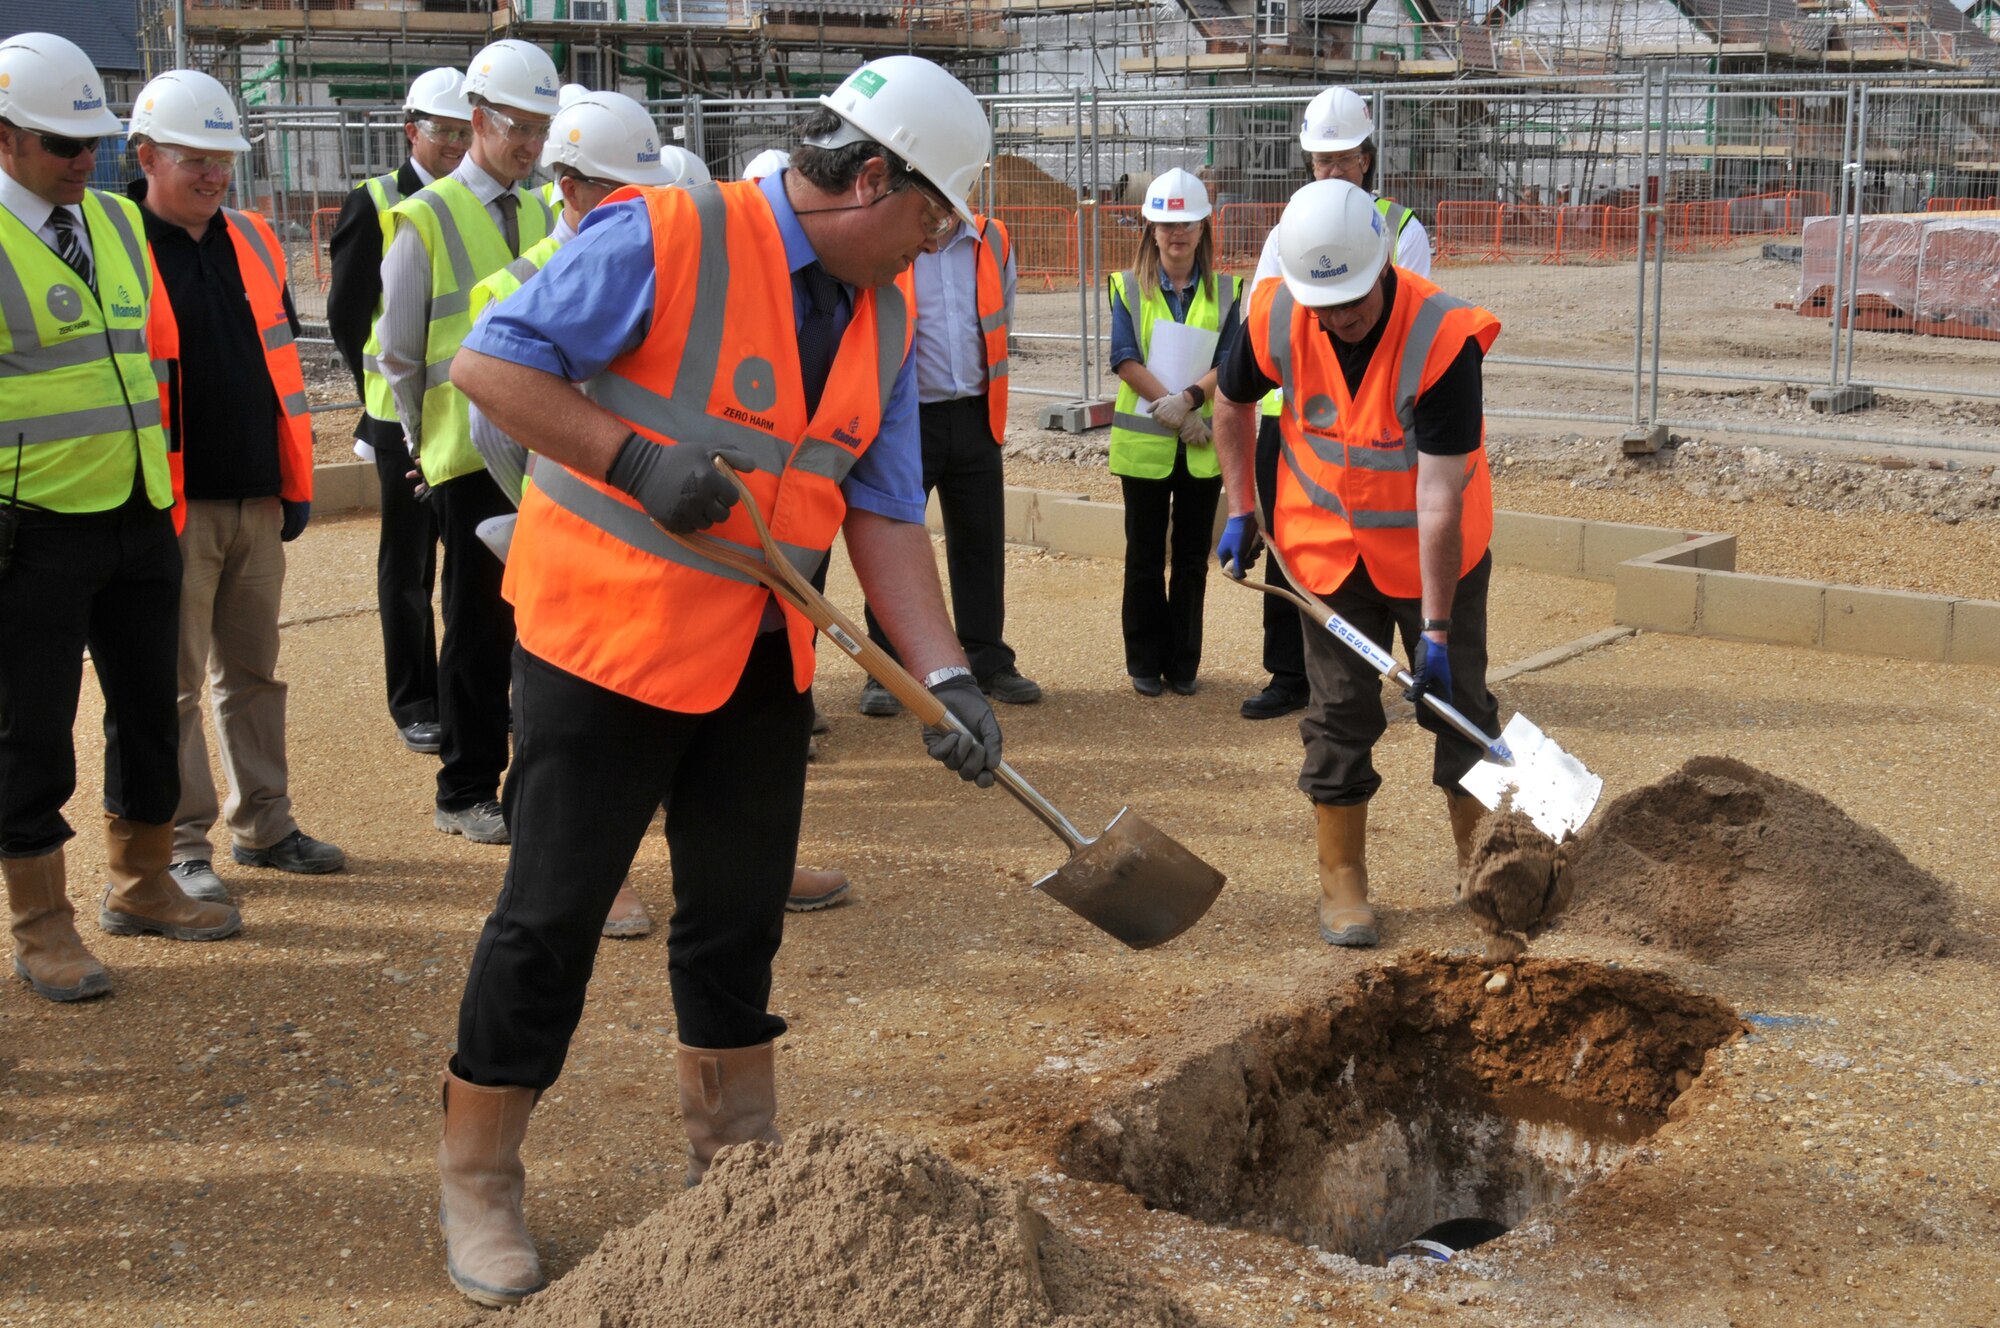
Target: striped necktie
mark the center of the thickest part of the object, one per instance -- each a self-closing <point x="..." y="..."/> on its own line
<point x="69" y="245"/>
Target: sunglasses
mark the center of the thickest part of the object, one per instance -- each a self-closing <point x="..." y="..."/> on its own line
<point x="69" y="149"/>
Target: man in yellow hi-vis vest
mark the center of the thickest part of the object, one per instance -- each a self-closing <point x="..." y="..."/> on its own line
<point x="87" y="551"/>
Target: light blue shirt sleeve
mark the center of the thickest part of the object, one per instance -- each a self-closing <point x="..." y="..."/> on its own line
<point x="590" y="305"/>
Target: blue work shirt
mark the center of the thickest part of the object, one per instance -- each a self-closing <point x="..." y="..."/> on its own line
<point x="1125" y="330"/>
<point x="949" y="348"/>
<point x="594" y="303"/>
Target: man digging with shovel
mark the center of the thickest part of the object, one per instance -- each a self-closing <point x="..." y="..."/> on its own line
<point x="1383" y="508"/>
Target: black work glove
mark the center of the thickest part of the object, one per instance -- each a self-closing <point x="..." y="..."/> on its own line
<point x="678" y="486"/>
<point x="296" y="516"/>
<point x="973" y="760"/>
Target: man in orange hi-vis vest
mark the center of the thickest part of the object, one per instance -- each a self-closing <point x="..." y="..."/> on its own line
<point x="766" y="323"/>
<point x="1384" y="506"/>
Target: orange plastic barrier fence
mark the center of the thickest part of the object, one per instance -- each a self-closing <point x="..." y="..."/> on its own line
<point x="1044" y="243"/>
<point x="1239" y="240"/>
<point x="1467" y="232"/>
<point x="1988" y="204"/>
<point x="322" y="259"/>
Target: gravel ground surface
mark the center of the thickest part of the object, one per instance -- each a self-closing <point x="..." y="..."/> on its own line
<point x="243" y="1133"/>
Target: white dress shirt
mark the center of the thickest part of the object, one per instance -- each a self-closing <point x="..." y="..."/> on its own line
<point x="38" y="214"/>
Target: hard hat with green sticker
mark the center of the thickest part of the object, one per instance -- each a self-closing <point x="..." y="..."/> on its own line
<point x="866" y="82"/>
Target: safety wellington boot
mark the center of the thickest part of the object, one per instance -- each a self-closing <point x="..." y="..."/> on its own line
<point x="1344" y="915"/>
<point x="144" y="896"/>
<point x="47" y="950"/>
<point x="486" y="1247"/>
<point x="728" y="1096"/>
<point x="1466" y="813"/>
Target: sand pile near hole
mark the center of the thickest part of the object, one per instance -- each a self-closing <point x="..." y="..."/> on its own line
<point x="846" y="1226"/>
<point x="1737" y="867"/>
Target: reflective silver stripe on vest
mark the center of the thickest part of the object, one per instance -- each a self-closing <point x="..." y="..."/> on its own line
<point x="1416" y="353"/>
<point x="83" y="423"/>
<point x="243" y="225"/>
<point x="369" y="364"/>
<point x="278" y="336"/>
<point x="69" y="354"/>
<point x="16" y="310"/>
<point x="695" y="377"/>
<point x="989" y="236"/>
<point x="666" y="416"/>
<point x="548" y="213"/>
<point x="1144" y="424"/>
<point x="892" y="317"/>
<point x="130" y="239"/>
<point x="162" y="370"/>
<point x="453" y="302"/>
<point x="391" y="191"/>
<point x="294" y="403"/>
<point x="522" y="268"/>
<point x="1278" y="344"/>
<point x="629" y="525"/>
<point x="439" y="374"/>
<point x="1324" y="499"/>
<point x="997" y="369"/>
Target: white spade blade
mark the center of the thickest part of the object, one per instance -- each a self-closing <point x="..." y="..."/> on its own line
<point x="1546" y="784"/>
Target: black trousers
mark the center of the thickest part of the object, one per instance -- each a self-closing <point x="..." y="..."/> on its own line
<point x="405" y="577"/>
<point x="962" y="463"/>
<point x="591" y="769"/>
<point x="1168" y="524"/>
<point x="478" y="635"/>
<point x="1284" y="624"/>
<point x="109" y="581"/>
<point x="1345" y="716"/>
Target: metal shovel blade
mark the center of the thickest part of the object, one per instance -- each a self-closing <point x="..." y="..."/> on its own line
<point x="1135" y="882"/>
<point x="1546" y="784"/>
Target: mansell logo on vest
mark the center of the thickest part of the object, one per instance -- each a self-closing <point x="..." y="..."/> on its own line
<point x="219" y="119"/>
<point x="851" y="434"/>
<point x="122" y="305"/>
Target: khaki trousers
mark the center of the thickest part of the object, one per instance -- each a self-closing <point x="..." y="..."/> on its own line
<point x="232" y="580"/>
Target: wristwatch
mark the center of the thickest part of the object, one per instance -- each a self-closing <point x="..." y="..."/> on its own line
<point x="1193" y="392"/>
<point x="945" y="674"/>
<point x="1436" y="625"/>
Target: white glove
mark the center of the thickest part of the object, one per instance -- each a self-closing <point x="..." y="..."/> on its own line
<point x="1170" y="412"/>
<point x="1194" y="430"/>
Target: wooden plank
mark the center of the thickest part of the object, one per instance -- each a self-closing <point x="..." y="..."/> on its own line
<point x="1231" y="62"/>
<point x="888" y="39"/>
<point x="288" y="23"/>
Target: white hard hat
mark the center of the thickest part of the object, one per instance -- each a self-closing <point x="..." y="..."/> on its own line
<point x="439" y="93"/>
<point x="768" y="162"/>
<point x="569" y="93"/>
<point x="1332" y="243"/>
<point x="188" y="109"/>
<point x="608" y="136"/>
<point x="1336" y="120"/>
<point x="923" y="115"/>
<point x="517" y="75"/>
<point x="1175" y="195"/>
<point x="684" y="169"/>
<point x="48" y="84"/>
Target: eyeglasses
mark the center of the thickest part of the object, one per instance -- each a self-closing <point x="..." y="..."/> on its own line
<point x="197" y="164"/>
<point x="940" y="218"/>
<point x="518" y="131"/>
<point x="449" y="135"/>
<point x="1177" y="227"/>
<point x="1353" y="159"/>
<point x="69" y="149"/>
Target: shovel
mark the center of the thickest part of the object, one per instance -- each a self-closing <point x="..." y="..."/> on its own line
<point x="1132" y="881"/>
<point x="1522" y="768"/>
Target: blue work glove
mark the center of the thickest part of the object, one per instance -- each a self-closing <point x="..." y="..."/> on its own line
<point x="678" y="486"/>
<point x="1239" y="545"/>
<point x="296" y="516"/>
<point x="974" y="761"/>
<point x="1432" y="673"/>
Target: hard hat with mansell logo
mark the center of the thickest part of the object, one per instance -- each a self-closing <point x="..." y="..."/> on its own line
<point x="515" y="75"/>
<point x="608" y="136"/>
<point x="187" y="109"/>
<point x="49" y="85"/>
<point x="1332" y="243"/>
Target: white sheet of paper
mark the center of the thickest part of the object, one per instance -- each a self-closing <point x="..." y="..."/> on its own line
<point x="1180" y="354"/>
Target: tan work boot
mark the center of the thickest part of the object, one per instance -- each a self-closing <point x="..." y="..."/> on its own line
<point x="813" y="890"/>
<point x="1344" y="915"/>
<point x="143" y="895"/>
<point x="1466" y="813"/>
<point x="47" y="951"/>
<point x="486" y="1245"/>
<point x="628" y="919"/>
<point x="728" y="1096"/>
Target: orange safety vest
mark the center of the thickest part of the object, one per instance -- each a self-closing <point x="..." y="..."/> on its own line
<point x="994" y="315"/>
<point x="261" y="260"/>
<point x="601" y="591"/>
<point x="1347" y="488"/>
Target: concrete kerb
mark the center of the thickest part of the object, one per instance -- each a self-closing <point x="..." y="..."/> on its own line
<point x="1665" y="580"/>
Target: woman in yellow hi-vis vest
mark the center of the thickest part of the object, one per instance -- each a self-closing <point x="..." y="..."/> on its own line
<point x="1169" y="318"/>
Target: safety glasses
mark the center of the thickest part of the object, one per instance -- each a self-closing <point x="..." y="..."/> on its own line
<point x="198" y="163"/>
<point x="451" y="136"/>
<point x="517" y="131"/>
<point x="940" y="219"/>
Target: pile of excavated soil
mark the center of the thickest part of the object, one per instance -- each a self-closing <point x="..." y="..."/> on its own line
<point x="1515" y="883"/>
<point x="847" y="1226"/>
<point x="1736" y="867"/>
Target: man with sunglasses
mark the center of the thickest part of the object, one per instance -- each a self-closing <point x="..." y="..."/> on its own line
<point x="224" y="323"/>
<point x="449" y="235"/>
<point x="1383" y="507"/>
<point x="437" y="124"/>
<point x="87" y="552"/>
<point x="767" y="324"/>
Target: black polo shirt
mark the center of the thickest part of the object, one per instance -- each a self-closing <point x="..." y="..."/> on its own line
<point x="227" y="423"/>
<point x="1448" y="413"/>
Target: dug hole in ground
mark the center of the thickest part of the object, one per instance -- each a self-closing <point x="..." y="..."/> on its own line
<point x="1749" y="1079"/>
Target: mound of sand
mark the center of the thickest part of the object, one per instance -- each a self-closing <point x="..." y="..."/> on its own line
<point x="1736" y="867"/>
<point x="846" y="1226"/>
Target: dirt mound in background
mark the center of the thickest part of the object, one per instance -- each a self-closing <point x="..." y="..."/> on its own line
<point x="1737" y="867"/>
<point x="847" y="1226"/>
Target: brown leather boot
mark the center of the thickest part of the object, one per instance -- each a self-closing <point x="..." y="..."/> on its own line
<point x="47" y="951"/>
<point x="1344" y="915"/>
<point x="813" y="890"/>
<point x="1466" y="813"/>
<point x="143" y="895"/>
<point x="628" y="919"/>
<point x="728" y="1096"/>
<point x="486" y="1246"/>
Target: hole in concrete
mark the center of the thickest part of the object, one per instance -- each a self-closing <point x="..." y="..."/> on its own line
<point x="1428" y="1090"/>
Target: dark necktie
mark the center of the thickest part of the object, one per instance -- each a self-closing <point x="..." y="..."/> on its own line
<point x="510" y="221"/>
<point x="817" y="340"/>
<point x="69" y="245"/>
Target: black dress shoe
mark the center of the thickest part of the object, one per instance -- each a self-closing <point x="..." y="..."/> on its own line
<point x="1148" y="686"/>
<point x="426" y="736"/>
<point x="1275" y="700"/>
<point x="1184" y="686"/>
